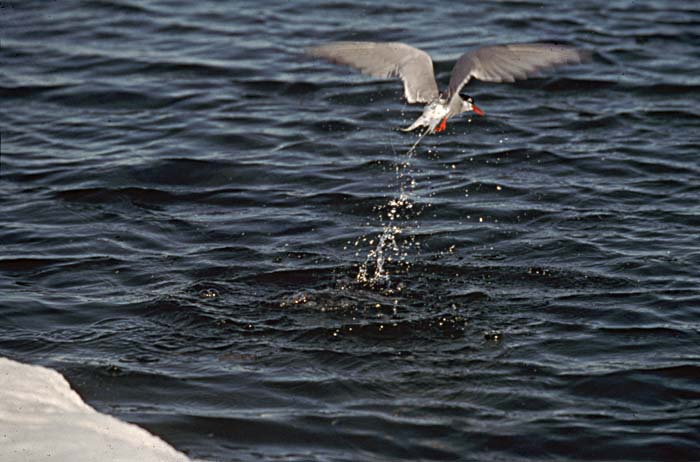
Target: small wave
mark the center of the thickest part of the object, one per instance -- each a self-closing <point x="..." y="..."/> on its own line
<point x="107" y="99"/>
<point x="568" y="84"/>
<point x="29" y="91"/>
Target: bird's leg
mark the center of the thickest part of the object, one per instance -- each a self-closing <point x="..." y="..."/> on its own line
<point x="443" y="125"/>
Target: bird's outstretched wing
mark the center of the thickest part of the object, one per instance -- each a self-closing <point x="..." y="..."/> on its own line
<point x="508" y="63"/>
<point x="383" y="60"/>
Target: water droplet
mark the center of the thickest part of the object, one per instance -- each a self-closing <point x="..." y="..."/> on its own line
<point x="493" y="335"/>
<point x="208" y="293"/>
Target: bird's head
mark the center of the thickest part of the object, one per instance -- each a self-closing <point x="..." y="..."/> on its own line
<point x="468" y="105"/>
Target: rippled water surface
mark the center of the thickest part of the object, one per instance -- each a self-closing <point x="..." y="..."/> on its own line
<point x="224" y="241"/>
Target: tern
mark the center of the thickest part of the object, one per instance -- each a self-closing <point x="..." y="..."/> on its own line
<point x="496" y="63"/>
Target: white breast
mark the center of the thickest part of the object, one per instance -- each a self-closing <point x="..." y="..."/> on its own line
<point x="436" y="111"/>
<point x="431" y="117"/>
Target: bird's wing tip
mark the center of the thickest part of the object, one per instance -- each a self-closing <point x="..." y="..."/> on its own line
<point x="311" y="50"/>
<point x="585" y="56"/>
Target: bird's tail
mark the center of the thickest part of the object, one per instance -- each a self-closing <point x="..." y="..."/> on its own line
<point x="411" y="128"/>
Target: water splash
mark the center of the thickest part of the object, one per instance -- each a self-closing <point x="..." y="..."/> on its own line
<point x="392" y="247"/>
<point x="389" y="247"/>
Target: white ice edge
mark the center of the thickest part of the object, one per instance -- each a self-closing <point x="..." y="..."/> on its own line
<point x="43" y="419"/>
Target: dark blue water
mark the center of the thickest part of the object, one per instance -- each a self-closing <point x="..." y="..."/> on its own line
<point x="187" y="202"/>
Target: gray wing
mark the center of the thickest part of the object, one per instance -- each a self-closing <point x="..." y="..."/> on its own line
<point x="507" y="63"/>
<point x="388" y="59"/>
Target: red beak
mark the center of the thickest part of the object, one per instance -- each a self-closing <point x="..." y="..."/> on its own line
<point x="477" y="111"/>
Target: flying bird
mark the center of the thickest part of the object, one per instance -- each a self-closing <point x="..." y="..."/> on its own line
<point x="497" y="63"/>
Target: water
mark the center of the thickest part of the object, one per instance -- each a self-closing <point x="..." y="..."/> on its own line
<point x="182" y="191"/>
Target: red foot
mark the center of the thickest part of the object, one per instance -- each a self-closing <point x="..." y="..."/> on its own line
<point x="443" y="125"/>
